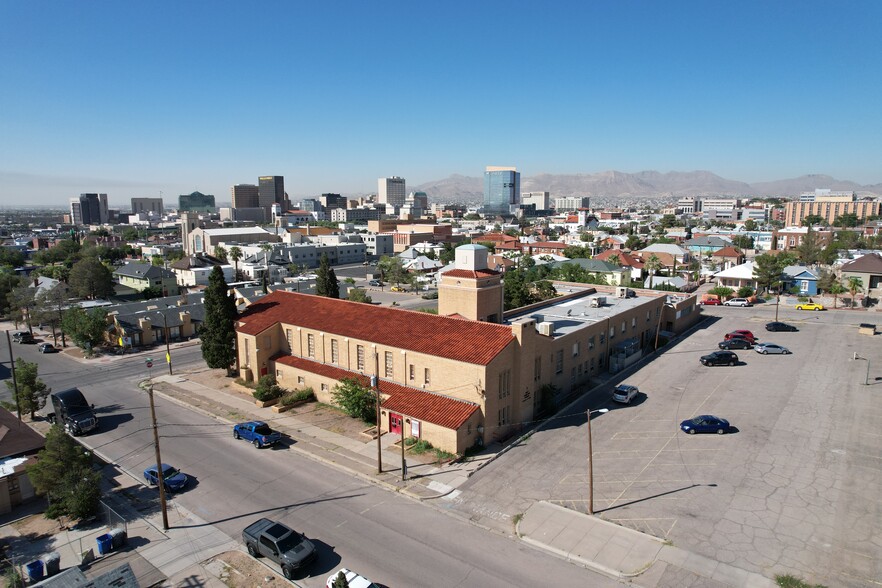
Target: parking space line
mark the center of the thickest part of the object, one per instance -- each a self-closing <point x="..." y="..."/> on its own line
<point x="625" y="436"/>
<point x="643" y="470"/>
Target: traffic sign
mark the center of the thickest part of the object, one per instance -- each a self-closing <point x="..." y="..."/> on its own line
<point x="149" y="362"/>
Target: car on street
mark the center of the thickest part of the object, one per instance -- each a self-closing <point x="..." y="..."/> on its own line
<point x="767" y="348"/>
<point x="719" y="358"/>
<point x="625" y="393"/>
<point x="23" y="337"/>
<point x="258" y="433"/>
<point x="809" y="306"/>
<point x="742" y="334"/>
<point x="46" y="348"/>
<point x="738" y="302"/>
<point x="711" y="302"/>
<point x="353" y="580"/>
<point x="398" y="289"/>
<point x="735" y="343"/>
<point x="705" y="423"/>
<point x="173" y="478"/>
<point x="779" y="326"/>
<point x="375" y="283"/>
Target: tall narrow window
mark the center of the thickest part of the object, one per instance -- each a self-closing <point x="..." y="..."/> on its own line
<point x="537" y="369"/>
<point x="289" y="335"/>
<point x="389" y="372"/>
<point x="558" y="368"/>
<point x="359" y="352"/>
<point x="335" y="352"/>
<point x="426" y="376"/>
<point x="412" y="372"/>
<point x="310" y="345"/>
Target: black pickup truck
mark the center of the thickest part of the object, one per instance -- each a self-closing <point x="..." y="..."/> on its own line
<point x="283" y="545"/>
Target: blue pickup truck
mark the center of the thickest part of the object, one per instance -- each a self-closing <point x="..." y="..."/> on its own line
<point x="258" y="432"/>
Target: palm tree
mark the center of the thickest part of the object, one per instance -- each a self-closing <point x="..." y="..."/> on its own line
<point x="235" y="255"/>
<point x="652" y="265"/>
<point x="854" y="284"/>
<point x="614" y="259"/>
<point x="220" y="253"/>
<point x="836" y="289"/>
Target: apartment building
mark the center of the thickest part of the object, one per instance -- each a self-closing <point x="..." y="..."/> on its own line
<point x="829" y="205"/>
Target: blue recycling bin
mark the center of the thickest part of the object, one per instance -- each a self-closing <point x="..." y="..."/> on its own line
<point x="35" y="570"/>
<point x="105" y="544"/>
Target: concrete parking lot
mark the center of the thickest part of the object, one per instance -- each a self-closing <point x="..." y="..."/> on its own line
<point x="795" y="489"/>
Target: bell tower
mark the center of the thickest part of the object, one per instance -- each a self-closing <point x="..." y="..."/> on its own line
<point x="471" y="290"/>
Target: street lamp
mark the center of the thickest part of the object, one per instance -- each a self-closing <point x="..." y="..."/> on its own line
<point x="591" y="461"/>
<point x="857" y="357"/>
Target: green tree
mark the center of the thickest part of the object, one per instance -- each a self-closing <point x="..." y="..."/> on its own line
<point x="743" y="241"/>
<point x="587" y="237"/>
<point x="615" y="260"/>
<point x="51" y="304"/>
<point x="575" y="252"/>
<point x="32" y="392"/>
<point x="745" y="292"/>
<point x="516" y="292"/>
<point x="545" y="290"/>
<point x="340" y="581"/>
<point x="89" y="278"/>
<point x="11" y="258"/>
<point x="218" y="334"/>
<point x="812" y="220"/>
<point x="355" y="399"/>
<point x="63" y="473"/>
<point x="359" y="295"/>
<point x="448" y="254"/>
<point x="234" y="255"/>
<point x="767" y="270"/>
<point x="652" y="265"/>
<point x="85" y="328"/>
<point x="220" y="253"/>
<point x="22" y="300"/>
<point x="667" y="221"/>
<point x="326" y="283"/>
<point x="130" y="234"/>
<point x="836" y="289"/>
<point x="268" y="388"/>
<point x="750" y="225"/>
<point x="721" y="292"/>
<point x="633" y="242"/>
<point x="846" y="220"/>
<point x="809" y="250"/>
<point x="854" y="283"/>
<point x="392" y="270"/>
<point x="8" y="282"/>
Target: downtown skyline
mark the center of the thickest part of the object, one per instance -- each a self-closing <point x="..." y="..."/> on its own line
<point x="134" y="100"/>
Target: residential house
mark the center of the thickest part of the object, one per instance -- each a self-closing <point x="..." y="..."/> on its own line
<point x="790" y="238"/>
<point x="19" y="444"/>
<point x="737" y="276"/>
<point x="868" y="269"/>
<point x="706" y="246"/>
<point x="727" y="257"/>
<point x="615" y="275"/>
<point x="141" y="276"/>
<point x="801" y="277"/>
<point x="625" y="259"/>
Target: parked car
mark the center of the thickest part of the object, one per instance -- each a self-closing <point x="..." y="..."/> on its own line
<point x="375" y="283"/>
<point x="398" y="289"/>
<point x="766" y="348"/>
<point x="719" y="358"/>
<point x="625" y="393"/>
<point x="735" y="343"/>
<point x="23" y="337"/>
<point x="738" y="302"/>
<point x="740" y="333"/>
<point x="706" y="423"/>
<point x="46" y="348"/>
<point x="711" y="302"/>
<point x="257" y="432"/>
<point x="280" y="543"/>
<point x="777" y="326"/>
<point x="353" y="580"/>
<point x="173" y="478"/>
<point x="809" y="306"/>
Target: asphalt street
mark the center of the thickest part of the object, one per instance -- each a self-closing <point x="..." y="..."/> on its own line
<point x="388" y="537"/>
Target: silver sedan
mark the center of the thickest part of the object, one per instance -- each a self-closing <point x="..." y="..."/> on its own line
<point x="766" y="348"/>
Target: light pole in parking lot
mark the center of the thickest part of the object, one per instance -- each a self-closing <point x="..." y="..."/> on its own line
<point x="591" y="460"/>
<point x="857" y="357"/>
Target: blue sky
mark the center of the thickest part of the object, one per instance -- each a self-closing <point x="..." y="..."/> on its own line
<point x="134" y="98"/>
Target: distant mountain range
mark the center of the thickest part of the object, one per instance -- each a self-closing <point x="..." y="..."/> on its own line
<point x="614" y="185"/>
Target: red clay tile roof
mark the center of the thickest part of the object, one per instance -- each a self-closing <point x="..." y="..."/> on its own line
<point x="548" y="245"/>
<point x="442" y="336"/>
<point x="419" y="404"/>
<point x="460" y="273"/>
<point x="625" y="259"/>
<point x="729" y="251"/>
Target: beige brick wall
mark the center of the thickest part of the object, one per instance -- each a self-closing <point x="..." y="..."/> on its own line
<point x="478" y="300"/>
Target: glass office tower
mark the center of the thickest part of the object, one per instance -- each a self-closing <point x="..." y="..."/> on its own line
<point x="502" y="190"/>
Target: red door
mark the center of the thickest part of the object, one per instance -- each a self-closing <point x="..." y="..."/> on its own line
<point x="394" y="423"/>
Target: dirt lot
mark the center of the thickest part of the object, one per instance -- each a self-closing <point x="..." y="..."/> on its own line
<point x="240" y="570"/>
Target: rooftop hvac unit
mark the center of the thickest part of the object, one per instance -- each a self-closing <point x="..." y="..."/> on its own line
<point x="621" y="292"/>
<point x="597" y="301"/>
<point x="546" y="328"/>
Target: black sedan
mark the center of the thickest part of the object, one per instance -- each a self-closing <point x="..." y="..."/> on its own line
<point x="705" y="424"/>
<point x="719" y="358"/>
<point x="735" y="343"/>
<point x="777" y="326"/>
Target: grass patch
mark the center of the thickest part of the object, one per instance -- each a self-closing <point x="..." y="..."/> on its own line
<point x="790" y="581"/>
<point x="420" y="447"/>
<point x="442" y="455"/>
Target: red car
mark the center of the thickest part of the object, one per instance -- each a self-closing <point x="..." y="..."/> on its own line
<point x="711" y="302"/>
<point x="740" y="334"/>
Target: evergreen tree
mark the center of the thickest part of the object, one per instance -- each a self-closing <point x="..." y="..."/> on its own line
<point x="86" y="329"/>
<point x="32" y="392"/>
<point x="63" y="473"/>
<point x="91" y="279"/>
<point x="326" y="283"/>
<point x="333" y="284"/>
<point x="218" y="332"/>
<point x="51" y="304"/>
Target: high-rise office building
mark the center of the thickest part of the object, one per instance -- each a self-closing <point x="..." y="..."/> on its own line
<point x="570" y="203"/>
<point x="271" y="190"/>
<point x="196" y="202"/>
<point x="331" y="201"/>
<point x="245" y="196"/>
<point x="542" y="200"/>
<point x="153" y="205"/>
<point x="502" y="189"/>
<point x="391" y="191"/>
<point x="89" y="209"/>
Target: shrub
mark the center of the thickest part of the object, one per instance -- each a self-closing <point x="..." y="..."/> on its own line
<point x="295" y="396"/>
<point x="356" y="400"/>
<point x="268" y="389"/>
<point x="745" y="292"/>
<point x="421" y="446"/>
<point x="802" y="298"/>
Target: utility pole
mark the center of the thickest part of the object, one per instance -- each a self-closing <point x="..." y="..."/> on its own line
<point x="591" y="461"/>
<point x="403" y="461"/>
<point x="160" y="482"/>
<point x="12" y="368"/>
<point x="167" y="348"/>
<point x="375" y="384"/>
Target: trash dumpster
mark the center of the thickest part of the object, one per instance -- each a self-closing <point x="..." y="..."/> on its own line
<point x="117" y="538"/>
<point x="35" y="570"/>
<point x="105" y="544"/>
<point x="53" y="563"/>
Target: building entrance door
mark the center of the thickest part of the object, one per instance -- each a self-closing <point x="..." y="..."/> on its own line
<point x="394" y="423"/>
